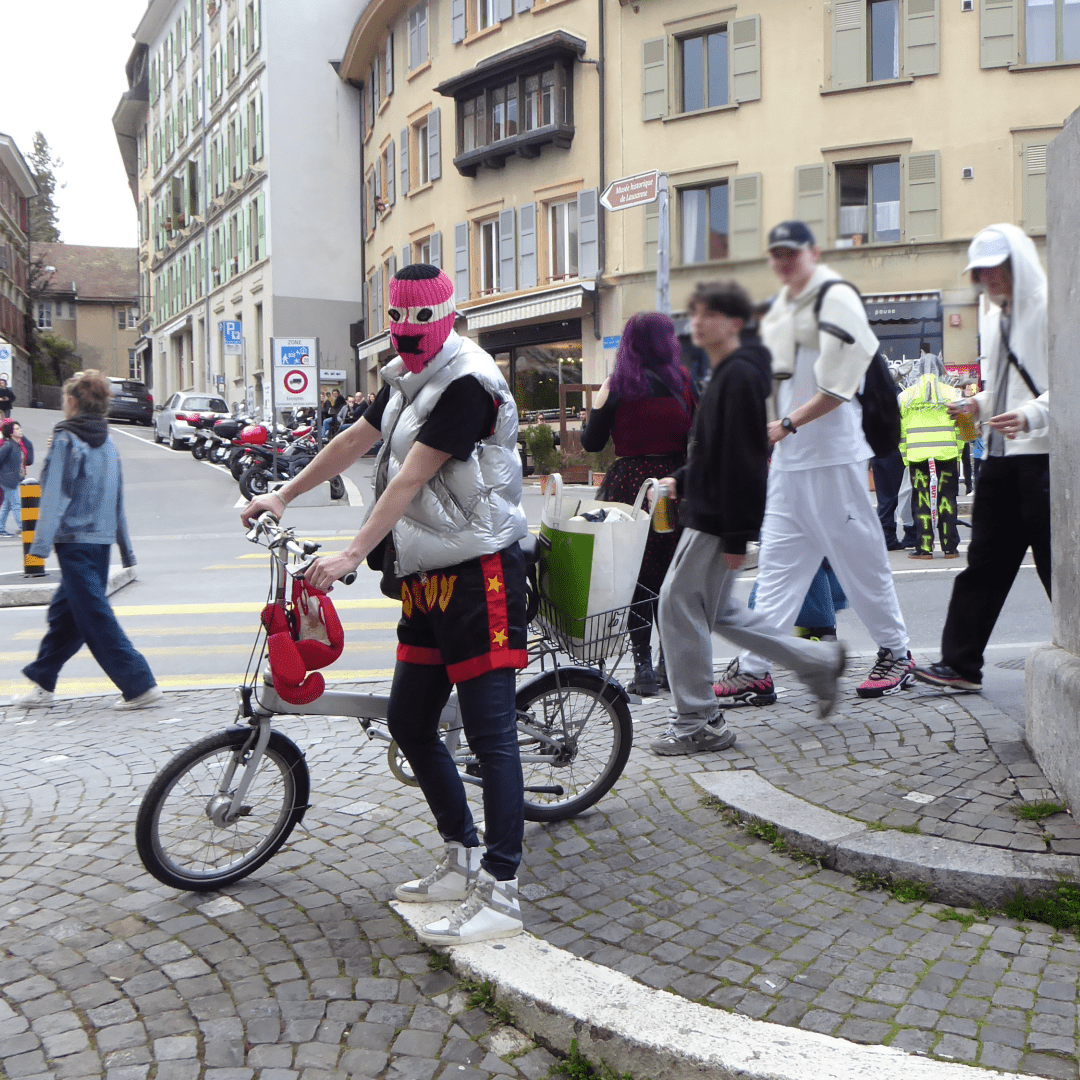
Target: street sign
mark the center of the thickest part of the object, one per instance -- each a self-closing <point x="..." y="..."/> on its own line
<point x="296" y="372"/>
<point x="631" y="191"/>
<point x="6" y="361"/>
<point x="231" y="337"/>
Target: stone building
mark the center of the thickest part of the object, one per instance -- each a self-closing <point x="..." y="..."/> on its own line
<point x="895" y="128"/>
<point x="89" y="296"/>
<point x="240" y="145"/>
<point x="17" y="188"/>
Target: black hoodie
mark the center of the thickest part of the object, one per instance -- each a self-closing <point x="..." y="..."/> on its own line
<point x="93" y="430"/>
<point x="722" y="484"/>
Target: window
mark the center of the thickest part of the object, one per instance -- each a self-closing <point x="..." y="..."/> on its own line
<point x="869" y="211"/>
<point x="251" y="24"/>
<point x="121" y="319"/>
<point x="418" y="36"/>
<point x="1051" y="31"/>
<point x="704" y="63"/>
<point x="423" y="250"/>
<point x="562" y="239"/>
<point x="233" y="50"/>
<point x="44" y="316"/>
<point x="489" y="257"/>
<point x="883" y="40"/>
<point x="482" y="14"/>
<point x="135" y="368"/>
<point x="420" y="156"/>
<point x="704" y="220"/>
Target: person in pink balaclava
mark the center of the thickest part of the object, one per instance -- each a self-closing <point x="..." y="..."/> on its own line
<point x="444" y="529"/>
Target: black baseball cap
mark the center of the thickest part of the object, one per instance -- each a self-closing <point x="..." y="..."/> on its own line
<point x="791" y="234"/>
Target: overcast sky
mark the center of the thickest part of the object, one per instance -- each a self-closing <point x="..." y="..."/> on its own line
<point x="63" y="74"/>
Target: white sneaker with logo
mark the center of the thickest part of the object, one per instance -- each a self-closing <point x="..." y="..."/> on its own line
<point x="490" y="911"/>
<point x="451" y="879"/>
<point x="36" y="697"/>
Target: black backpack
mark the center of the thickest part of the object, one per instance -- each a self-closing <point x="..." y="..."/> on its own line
<point x="880" y="408"/>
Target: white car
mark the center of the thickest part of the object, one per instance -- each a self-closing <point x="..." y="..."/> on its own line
<point x="174" y="424"/>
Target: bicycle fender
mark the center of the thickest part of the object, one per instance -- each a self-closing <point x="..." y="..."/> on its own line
<point x="614" y="684"/>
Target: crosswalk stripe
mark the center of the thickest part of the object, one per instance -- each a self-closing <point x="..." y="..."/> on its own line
<point x="247" y="630"/>
<point x="206" y="650"/>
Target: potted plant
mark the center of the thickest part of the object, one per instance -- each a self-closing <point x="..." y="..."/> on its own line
<point x="600" y="462"/>
<point x="540" y="442"/>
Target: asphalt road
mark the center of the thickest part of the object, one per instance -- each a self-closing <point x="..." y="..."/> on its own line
<point x="193" y="610"/>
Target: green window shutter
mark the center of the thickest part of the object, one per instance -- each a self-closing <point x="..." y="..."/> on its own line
<point x="998" y="37"/>
<point x="243" y="35"/>
<point x="258" y="126"/>
<point x="256" y="34"/>
<point x="811" y="186"/>
<point x="745" y="41"/>
<point x="745" y="237"/>
<point x="262" y="226"/>
<point x="922" y="212"/>
<point x="237" y="148"/>
<point x="848" y="43"/>
<point x="242" y="125"/>
<point x="652" y="233"/>
<point x="654" y="79"/>
<point x="389" y="65"/>
<point x="1034" y="210"/>
<point x="241" y="242"/>
<point x="921" y="37"/>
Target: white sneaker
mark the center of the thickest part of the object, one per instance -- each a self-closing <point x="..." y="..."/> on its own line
<point x="490" y="911"/>
<point x="451" y="879"/>
<point x="36" y="697"/>
<point x="145" y="700"/>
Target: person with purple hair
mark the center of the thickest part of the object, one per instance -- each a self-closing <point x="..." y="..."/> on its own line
<point x="647" y="407"/>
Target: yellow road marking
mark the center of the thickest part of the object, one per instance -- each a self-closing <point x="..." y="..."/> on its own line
<point x="76" y="686"/>
<point x="242" y="607"/>
<point x="152" y="633"/>
<point x="203" y="650"/>
<point x="264" y="555"/>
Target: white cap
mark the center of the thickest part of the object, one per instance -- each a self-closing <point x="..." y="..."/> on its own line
<point x="989" y="248"/>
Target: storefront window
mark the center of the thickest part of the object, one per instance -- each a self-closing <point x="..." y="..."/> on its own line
<point x="538" y="371"/>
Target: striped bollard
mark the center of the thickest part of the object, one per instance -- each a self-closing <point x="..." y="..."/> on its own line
<point x="30" y="493"/>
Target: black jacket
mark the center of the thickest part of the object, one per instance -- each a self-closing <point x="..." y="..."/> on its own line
<point x="722" y="484"/>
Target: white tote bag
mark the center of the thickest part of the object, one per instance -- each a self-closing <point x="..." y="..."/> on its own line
<point x="590" y="568"/>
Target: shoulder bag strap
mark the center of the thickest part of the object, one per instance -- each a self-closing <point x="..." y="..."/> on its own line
<point x="1013" y="359"/>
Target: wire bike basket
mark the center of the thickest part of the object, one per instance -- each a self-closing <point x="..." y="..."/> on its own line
<point x="591" y="639"/>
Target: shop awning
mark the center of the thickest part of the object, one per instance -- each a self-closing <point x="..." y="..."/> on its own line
<point x="373" y="346"/>
<point x="529" y="307"/>
<point x="903" y="307"/>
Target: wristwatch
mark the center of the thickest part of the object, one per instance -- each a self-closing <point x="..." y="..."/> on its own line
<point x="788" y="426"/>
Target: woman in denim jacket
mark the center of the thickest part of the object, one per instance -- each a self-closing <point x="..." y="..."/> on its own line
<point x="82" y="514"/>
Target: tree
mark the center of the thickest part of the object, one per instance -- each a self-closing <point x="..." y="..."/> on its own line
<point x="43" y="226"/>
<point x="55" y="361"/>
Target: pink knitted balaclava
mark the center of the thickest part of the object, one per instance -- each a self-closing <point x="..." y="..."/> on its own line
<point x="421" y="313"/>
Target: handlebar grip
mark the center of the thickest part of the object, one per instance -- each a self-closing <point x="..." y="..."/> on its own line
<point x="349" y="578"/>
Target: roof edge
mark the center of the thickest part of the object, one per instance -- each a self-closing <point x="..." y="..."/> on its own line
<point x="11" y="156"/>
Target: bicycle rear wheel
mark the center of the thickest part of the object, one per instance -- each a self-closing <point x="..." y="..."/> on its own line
<point x="176" y="835"/>
<point x="574" y="733"/>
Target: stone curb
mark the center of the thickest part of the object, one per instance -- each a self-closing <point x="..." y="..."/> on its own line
<point x="557" y="997"/>
<point x="30" y="594"/>
<point x="956" y="873"/>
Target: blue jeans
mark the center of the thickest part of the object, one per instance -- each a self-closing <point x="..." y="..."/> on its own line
<point x="12" y="505"/>
<point x="489" y="715"/>
<point x="79" y="614"/>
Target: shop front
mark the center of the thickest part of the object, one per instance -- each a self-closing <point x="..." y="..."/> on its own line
<point x="904" y="321"/>
<point x="535" y="360"/>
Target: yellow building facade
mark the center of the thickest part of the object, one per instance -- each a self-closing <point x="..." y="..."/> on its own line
<point x="895" y="128"/>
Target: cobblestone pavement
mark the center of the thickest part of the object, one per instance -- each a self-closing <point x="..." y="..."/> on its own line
<point x="106" y="973"/>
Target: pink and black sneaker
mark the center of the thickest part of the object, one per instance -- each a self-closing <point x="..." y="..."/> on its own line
<point x="889" y="675"/>
<point x="737" y="686"/>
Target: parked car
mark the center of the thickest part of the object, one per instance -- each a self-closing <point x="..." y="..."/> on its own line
<point x="174" y="424"/>
<point x="131" y="401"/>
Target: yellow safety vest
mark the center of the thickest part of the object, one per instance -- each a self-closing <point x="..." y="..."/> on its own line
<point x="926" y="429"/>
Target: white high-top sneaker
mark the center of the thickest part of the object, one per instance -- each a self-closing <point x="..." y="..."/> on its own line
<point x="454" y="873"/>
<point x="491" y="911"/>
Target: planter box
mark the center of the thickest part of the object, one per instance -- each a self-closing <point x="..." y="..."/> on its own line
<point x="596" y="478"/>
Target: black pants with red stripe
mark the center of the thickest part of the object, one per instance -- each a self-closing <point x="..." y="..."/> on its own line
<point x="464" y="626"/>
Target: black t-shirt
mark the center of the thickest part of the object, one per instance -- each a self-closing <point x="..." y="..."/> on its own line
<point x="462" y="417"/>
<point x="7" y="397"/>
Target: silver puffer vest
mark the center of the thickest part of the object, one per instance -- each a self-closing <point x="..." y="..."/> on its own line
<point x="468" y="508"/>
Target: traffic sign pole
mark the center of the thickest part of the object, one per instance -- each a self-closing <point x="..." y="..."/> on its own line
<point x="663" y="249"/>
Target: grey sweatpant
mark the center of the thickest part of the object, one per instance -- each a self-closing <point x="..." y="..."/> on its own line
<point x="695" y="599"/>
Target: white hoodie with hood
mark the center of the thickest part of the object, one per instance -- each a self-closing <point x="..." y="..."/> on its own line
<point x="1028" y="339"/>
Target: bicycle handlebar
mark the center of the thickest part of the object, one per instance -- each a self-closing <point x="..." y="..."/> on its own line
<point x="276" y="537"/>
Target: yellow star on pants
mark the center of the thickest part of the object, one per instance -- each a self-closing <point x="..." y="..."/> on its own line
<point x="494" y="584"/>
<point x="499" y="637"/>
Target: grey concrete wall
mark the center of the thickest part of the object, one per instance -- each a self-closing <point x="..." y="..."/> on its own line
<point x="328" y="320"/>
<point x="1053" y="672"/>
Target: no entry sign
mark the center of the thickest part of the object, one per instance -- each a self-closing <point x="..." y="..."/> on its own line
<point x="296" y="372"/>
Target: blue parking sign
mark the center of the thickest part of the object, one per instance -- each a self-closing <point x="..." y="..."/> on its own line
<point x="231" y="337"/>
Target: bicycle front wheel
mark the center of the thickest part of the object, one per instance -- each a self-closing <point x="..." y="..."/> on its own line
<point x="180" y="832"/>
<point x="574" y="734"/>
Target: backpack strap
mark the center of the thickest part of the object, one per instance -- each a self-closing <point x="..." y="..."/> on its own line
<point x="832" y="328"/>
